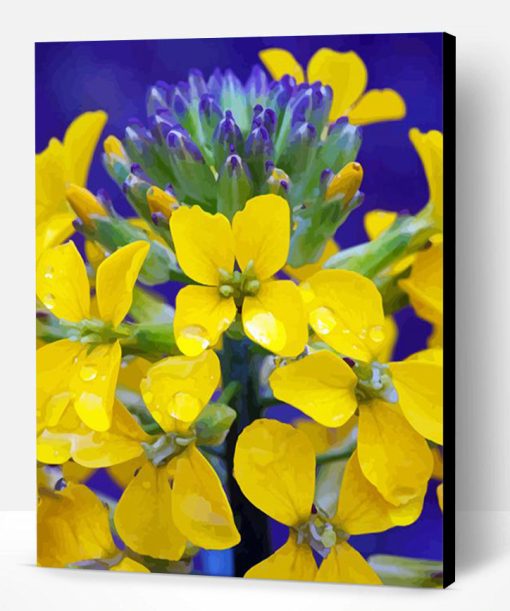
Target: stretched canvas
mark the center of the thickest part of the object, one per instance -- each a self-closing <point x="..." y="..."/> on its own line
<point x="241" y="246"/>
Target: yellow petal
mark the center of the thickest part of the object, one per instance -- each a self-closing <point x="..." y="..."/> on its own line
<point x="345" y="73"/>
<point x="124" y="472"/>
<point x="53" y="450"/>
<point x="362" y="509"/>
<point x="72" y="525"/>
<point x="419" y="386"/>
<point x="280" y="62"/>
<point x="323" y="438"/>
<point x="305" y="271"/>
<point x="204" y="243"/>
<point x="50" y="182"/>
<point x="201" y="316"/>
<point x="321" y="385"/>
<point x="262" y="234"/>
<point x="345" y="310"/>
<point x="143" y="517"/>
<point x="93" y="382"/>
<point x="429" y="147"/>
<point x="54" y="363"/>
<point x="121" y="443"/>
<point x="378" y="105"/>
<point x="276" y="319"/>
<point x="200" y="506"/>
<point x="274" y="465"/>
<point x="425" y="284"/>
<point x="53" y="232"/>
<point x="178" y="387"/>
<point x="115" y="279"/>
<point x="392" y="455"/>
<point x="292" y="561"/>
<point x="439" y="491"/>
<point x="62" y="283"/>
<point x="132" y="371"/>
<point x="80" y="142"/>
<point x="128" y="565"/>
<point x="346" y="565"/>
<point x="73" y="472"/>
<point x="377" y="221"/>
<point x="390" y="339"/>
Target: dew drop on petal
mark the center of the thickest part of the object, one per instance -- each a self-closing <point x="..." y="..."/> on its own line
<point x="146" y="485"/>
<point x="376" y="334"/>
<point x="194" y="339"/>
<point x="148" y="397"/>
<point x="323" y="320"/>
<point x="49" y="301"/>
<point x="48" y="273"/>
<point x="88" y="373"/>
<point x="267" y="330"/>
<point x="363" y="334"/>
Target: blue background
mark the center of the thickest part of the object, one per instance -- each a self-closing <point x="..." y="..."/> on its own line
<point x="72" y="78"/>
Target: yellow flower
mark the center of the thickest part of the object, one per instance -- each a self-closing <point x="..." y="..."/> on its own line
<point x="274" y="465"/>
<point x="58" y="165"/>
<point x="181" y="495"/>
<point x="70" y="438"/>
<point x="346" y="74"/>
<point x="345" y="311"/>
<point x="429" y="147"/>
<point x="73" y="526"/>
<point x="84" y="373"/>
<point x="207" y="247"/>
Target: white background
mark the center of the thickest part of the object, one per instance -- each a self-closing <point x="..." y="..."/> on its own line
<point x="483" y="206"/>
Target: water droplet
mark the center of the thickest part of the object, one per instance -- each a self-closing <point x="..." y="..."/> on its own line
<point x="323" y="320"/>
<point x="376" y="334"/>
<point x="363" y="334"/>
<point x="148" y="397"/>
<point x="49" y="301"/>
<point x="48" y="274"/>
<point x="146" y="485"/>
<point x="194" y="339"/>
<point x="88" y="373"/>
<point x="266" y="330"/>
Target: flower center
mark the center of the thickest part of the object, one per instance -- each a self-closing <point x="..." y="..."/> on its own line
<point x="239" y="284"/>
<point x="374" y="382"/>
<point x="320" y="534"/>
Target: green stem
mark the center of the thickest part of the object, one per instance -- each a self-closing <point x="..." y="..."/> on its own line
<point x="228" y="393"/>
<point x="407" y="235"/>
<point x="240" y="365"/>
<point x="333" y="456"/>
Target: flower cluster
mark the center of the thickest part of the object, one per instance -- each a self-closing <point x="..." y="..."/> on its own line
<point x="238" y="191"/>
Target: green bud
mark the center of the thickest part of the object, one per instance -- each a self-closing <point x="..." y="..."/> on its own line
<point x="401" y="571"/>
<point x="226" y="290"/>
<point x="214" y="423"/>
<point x="251" y="287"/>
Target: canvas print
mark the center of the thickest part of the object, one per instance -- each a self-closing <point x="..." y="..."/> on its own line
<point x="240" y="251"/>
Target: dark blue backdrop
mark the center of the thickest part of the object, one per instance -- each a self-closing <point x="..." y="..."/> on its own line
<point x="78" y="76"/>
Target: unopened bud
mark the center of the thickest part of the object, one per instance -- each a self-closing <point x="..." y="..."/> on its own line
<point x="161" y="202"/>
<point x="84" y="204"/>
<point x="346" y="183"/>
<point x="113" y="146"/>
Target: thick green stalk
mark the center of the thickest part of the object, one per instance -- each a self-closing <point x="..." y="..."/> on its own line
<point x="406" y="236"/>
<point x="238" y="366"/>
